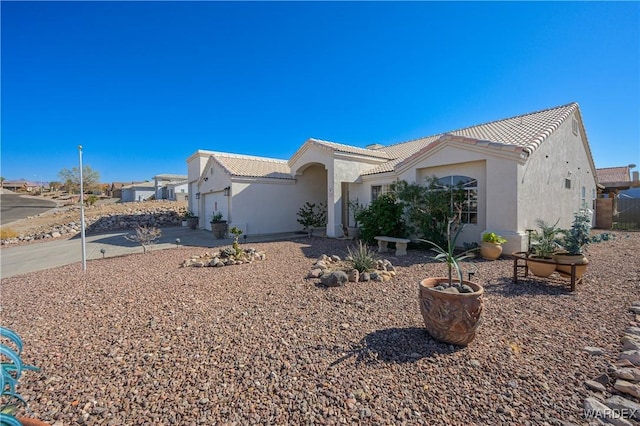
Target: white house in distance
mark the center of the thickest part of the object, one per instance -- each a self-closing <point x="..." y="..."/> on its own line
<point x="140" y="191"/>
<point x="516" y="170"/>
<point x="171" y="187"/>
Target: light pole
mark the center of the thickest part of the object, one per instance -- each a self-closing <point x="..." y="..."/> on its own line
<point x="84" y="251"/>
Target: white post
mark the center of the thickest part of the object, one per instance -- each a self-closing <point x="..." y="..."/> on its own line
<point x="84" y="251"/>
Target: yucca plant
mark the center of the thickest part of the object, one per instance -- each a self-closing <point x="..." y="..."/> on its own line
<point x="12" y="368"/>
<point x="361" y="258"/>
<point x="449" y="255"/>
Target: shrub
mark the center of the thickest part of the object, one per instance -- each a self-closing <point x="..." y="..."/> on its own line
<point x="382" y="217"/>
<point x="6" y="233"/>
<point x="361" y="258"/>
<point x="312" y="216"/>
<point x="427" y="208"/>
<point x="145" y="236"/>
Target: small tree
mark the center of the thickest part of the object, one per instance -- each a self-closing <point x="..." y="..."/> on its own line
<point x="71" y="178"/>
<point x="312" y="216"/>
<point x="145" y="236"/>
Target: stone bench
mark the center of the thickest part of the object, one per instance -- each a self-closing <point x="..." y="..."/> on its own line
<point x="401" y="244"/>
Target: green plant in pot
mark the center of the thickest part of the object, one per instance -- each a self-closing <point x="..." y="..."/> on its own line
<point x="218" y="226"/>
<point x="491" y="247"/>
<point x="192" y="219"/>
<point x="573" y="242"/>
<point x="451" y="308"/>
<point x="545" y="243"/>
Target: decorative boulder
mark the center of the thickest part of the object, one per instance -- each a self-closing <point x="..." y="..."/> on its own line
<point x="334" y="279"/>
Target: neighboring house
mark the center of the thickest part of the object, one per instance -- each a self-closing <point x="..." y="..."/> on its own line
<point x="115" y="189"/>
<point x="138" y="192"/>
<point x="516" y="170"/>
<point x="22" y="185"/>
<point x="168" y="185"/>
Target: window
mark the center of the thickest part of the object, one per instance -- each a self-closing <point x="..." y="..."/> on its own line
<point x="378" y="190"/>
<point x="469" y="195"/>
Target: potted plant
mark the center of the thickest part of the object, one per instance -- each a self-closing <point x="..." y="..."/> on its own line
<point x="491" y="247"/>
<point x="192" y="220"/>
<point x="451" y="309"/>
<point x="355" y="209"/>
<point x="573" y="242"/>
<point x="12" y="367"/>
<point x="544" y="245"/>
<point x="218" y="226"/>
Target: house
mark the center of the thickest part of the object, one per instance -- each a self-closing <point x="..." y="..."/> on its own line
<point x="171" y="187"/>
<point x="515" y="170"/>
<point x="22" y="185"/>
<point x="115" y="188"/>
<point x="138" y="192"/>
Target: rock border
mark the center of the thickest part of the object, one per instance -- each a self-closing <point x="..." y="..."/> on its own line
<point x="623" y="375"/>
<point x="334" y="272"/>
<point x="224" y="258"/>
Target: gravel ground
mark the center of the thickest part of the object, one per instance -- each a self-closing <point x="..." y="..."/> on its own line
<point x="137" y="340"/>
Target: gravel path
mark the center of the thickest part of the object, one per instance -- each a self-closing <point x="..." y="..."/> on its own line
<point x="138" y="340"/>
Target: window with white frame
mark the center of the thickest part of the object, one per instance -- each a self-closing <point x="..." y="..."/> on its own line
<point x="469" y="188"/>
<point x="378" y="190"/>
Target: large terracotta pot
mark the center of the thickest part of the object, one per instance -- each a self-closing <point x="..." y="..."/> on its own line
<point x="219" y="229"/>
<point x="490" y="251"/>
<point x="540" y="269"/>
<point x="448" y="317"/>
<point x="565" y="270"/>
<point x="192" y="222"/>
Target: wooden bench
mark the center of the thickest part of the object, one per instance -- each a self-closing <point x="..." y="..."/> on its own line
<point x="522" y="256"/>
<point x="401" y="244"/>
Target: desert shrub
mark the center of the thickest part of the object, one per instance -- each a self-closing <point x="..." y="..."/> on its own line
<point x="361" y="258"/>
<point x="146" y="236"/>
<point x="6" y="233"/>
<point x="312" y="216"/>
<point x="382" y="217"/>
<point x="427" y="208"/>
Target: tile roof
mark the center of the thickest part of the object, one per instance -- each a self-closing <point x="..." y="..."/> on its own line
<point x="351" y="149"/>
<point x="613" y="174"/>
<point x="250" y="166"/>
<point x="525" y="132"/>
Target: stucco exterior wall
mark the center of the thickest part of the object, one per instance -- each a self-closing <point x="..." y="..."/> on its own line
<point x="542" y="193"/>
<point x="267" y="207"/>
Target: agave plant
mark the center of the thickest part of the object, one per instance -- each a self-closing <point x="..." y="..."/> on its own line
<point x="12" y="368"/>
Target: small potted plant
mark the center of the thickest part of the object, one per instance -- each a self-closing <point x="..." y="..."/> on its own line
<point x="573" y="242"/>
<point x="218" y="226"/>
<point x="192" y="220"/>
<point x="544" y="245"/>
<point x="491" y="247"/>
<point x="451" y="309"/>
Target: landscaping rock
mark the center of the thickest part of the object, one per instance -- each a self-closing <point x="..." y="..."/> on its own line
<point x="592" y="350"/>
<point x="632" y="356"/>
<point x="624" y="405"/>
<point x="334" y="279"/>
<point x="627" y="387"/>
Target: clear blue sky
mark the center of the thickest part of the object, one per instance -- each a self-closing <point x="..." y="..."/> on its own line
<point x="143" y="85"/>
